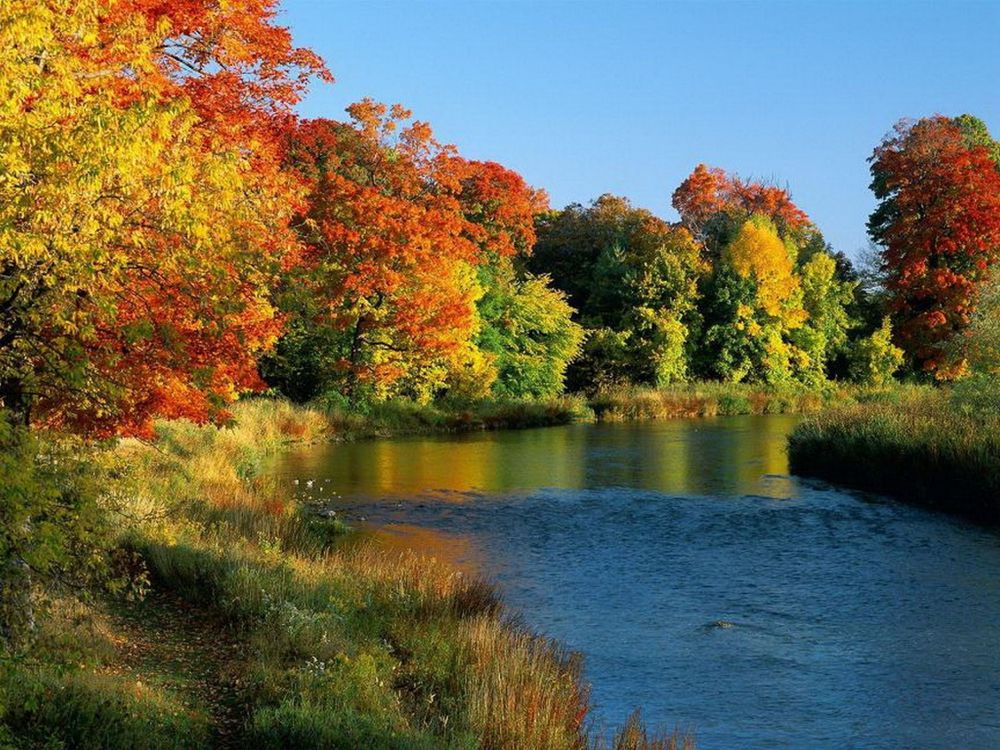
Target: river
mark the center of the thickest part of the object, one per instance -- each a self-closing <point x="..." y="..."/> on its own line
<point x="701" y="581"/>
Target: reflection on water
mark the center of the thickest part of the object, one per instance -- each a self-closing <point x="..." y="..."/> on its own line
<point x="701" y="582"/>
<point x="725" y="456"/>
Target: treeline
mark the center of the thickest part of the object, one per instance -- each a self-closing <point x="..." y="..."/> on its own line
<point x="517" y="300"/>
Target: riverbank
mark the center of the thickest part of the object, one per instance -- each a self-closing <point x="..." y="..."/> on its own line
<point x="615" y="404"/>
<point x="400" y="417"/>
<point x="710" y="399"/>
<point x="284" y="634"/>
<point x="923" y="446"/>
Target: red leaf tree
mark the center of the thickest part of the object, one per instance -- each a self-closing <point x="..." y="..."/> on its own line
<point x="135" y="262"/>
<point x="938" y="223"/>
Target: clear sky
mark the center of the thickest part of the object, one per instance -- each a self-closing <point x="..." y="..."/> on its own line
<point x="584" y="98"/>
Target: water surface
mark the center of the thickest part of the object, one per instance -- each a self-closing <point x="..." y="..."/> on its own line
<point x="701" y="581"/>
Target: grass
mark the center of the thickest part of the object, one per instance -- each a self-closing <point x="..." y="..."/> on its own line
<point x="928" y="446"/>
<point x="73" y="691"/>
<point x="402" y="417"/>
<point x="710" y="399"/>
<point x="265" y="629"/>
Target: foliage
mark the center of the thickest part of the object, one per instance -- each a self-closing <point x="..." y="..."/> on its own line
<point x="138" y="231"/>
<point x="755" y="303"/>
<point x="711" y="203"/>
<point x="979" y="348"/>
<point x="875" y="359"/>
<point x="938" y="224"/>
<point x="528" y="329"/>
<point x="634" y="279"/>
<point x="758" y="253"/>
<point x="744" y="289"/>
<point x="826" y="301"/>
<point x="412" y="269"/>
<point x="388" y="257"/>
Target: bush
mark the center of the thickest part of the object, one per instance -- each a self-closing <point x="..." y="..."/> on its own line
<point x="54" y="527"/>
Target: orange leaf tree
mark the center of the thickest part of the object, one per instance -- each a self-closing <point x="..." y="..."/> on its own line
<point x="714" y="205"/>
<point x="387" y="286"/>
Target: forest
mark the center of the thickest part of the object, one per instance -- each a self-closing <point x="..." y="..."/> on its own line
<point x="184" y="260"/>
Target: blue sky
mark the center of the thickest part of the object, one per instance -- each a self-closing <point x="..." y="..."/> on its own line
<point x="584" y="98"/>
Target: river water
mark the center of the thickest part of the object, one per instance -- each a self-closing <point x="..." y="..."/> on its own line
<point x="702" y="582"/>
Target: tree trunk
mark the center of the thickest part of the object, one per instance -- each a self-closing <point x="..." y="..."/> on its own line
<point x="17" y="615"/>
<point x="16" y="401"/>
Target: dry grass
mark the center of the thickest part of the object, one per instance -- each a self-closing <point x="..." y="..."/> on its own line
<point x="522" y="691"/>
<point x="635" y="736"/>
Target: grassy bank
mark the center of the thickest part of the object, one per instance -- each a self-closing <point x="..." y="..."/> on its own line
<point x="394" y="418"/>
<point x="263" y="629"/>
<point x="708" y="399"/>
<point x="922" y="445"/>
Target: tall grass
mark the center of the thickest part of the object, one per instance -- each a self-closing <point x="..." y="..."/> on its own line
<point x="924" y="445"/>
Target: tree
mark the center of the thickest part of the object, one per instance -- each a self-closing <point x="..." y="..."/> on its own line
<point x="634" y="280"/>
<point x="528" y="330"/>
<point x="977" y="350"/>
<point x="938" y="224"/>
<point x="139" y="228"/>
<point x="389" y="265"/>
<point x="826" y="300"/>
<point x="526" y="333"/>
<point x="753" y="303"/>
<point x="757" y="252"/>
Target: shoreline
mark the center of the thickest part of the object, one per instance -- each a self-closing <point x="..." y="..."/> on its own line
<point x="920" y="451"/>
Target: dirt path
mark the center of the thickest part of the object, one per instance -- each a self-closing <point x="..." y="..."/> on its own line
<point x="166" y="643"/>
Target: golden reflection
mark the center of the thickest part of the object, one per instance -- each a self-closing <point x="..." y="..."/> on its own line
<point x="728" y="456"/>
<point x="455" y="550"/>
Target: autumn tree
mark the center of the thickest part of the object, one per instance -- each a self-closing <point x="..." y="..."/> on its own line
<point x="714" y="205"/>
<point x="388" y="277"/>
<point x="142" y="208"/>
<point x="938" y="225"/>
<point x="761" y="303"/>
<point x="143" y="215"/>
